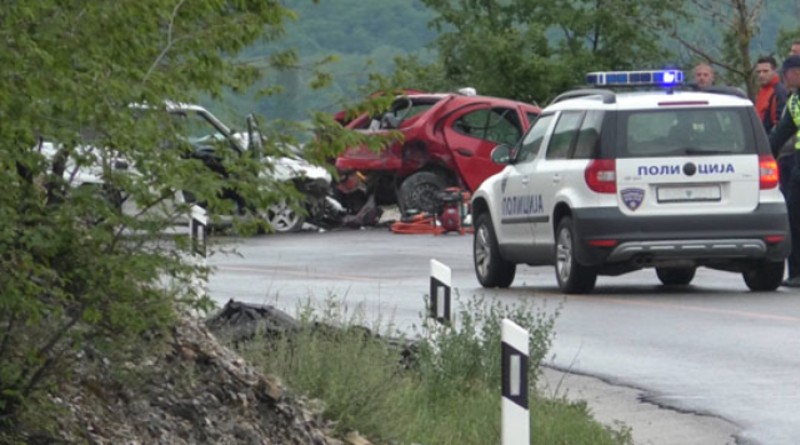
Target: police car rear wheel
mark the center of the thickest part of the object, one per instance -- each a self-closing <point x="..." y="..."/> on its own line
<point x="491" y="269"/>
<point x="675" y="276"/>
<point x="764" y="276"/>
<point x="573" y="278"/>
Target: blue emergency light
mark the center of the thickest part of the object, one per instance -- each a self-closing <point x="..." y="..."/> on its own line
<point x="664" y="78"/>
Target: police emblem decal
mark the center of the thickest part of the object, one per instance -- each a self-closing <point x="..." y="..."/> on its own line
<point x="632" y="197"/>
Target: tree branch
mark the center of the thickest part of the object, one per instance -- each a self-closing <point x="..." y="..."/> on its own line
<point x="170" y="43"/>
<point x="705" y="55"/>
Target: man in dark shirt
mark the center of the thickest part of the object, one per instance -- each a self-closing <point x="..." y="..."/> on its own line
<point x="788" y="126"/>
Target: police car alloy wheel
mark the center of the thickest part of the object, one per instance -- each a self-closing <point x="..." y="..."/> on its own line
<point x="492" y="270"/>
<point x="573" y="278"/>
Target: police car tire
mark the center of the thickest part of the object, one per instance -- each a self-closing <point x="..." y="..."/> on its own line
<point x="572" y="277"/>
<point x="418" y="191"/>
<point x="497" y="271"/>
<point x="675" y="276"/>
<point x="765" y="276"/>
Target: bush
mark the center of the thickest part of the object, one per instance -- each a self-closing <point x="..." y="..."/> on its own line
<point x="450" y="394"/>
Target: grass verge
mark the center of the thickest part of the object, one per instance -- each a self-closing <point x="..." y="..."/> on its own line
<point x="448" y="393"/>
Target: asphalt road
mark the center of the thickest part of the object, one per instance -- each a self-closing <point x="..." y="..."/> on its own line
<point x="712" y="348"/>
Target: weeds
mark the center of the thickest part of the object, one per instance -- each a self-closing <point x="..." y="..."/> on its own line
<point x="449" y="395"/>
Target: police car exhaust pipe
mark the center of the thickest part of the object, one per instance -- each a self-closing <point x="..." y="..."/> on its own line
<point x="644" y="261"/>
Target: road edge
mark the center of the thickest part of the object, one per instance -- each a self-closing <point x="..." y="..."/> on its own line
<point x="651" y="423"/>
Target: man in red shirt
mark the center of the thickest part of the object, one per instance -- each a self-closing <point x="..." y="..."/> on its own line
<point x="770" y="102"/>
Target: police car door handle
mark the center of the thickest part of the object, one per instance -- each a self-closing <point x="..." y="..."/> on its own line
<point x="557" y="178"/>
<point x="524" y="180"/>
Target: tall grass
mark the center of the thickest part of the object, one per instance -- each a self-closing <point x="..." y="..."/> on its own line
<point x="448" y="394"/>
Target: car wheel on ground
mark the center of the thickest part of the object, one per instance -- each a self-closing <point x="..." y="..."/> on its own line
<point x="573" y="278"/>
<point x="418" y="191"/>
<point x="675" y="276"/>
<point x="492" y="270"/>
<point x="283" y="218"/>
<point x="764" y="276"/>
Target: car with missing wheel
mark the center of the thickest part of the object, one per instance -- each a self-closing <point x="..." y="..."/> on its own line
<point x="446" y="142"/>
<point x="610" y="180"/>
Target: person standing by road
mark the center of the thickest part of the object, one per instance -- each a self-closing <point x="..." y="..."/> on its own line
<point x="788" y="126"/>
<point x="770" y="103"/>
<point x="703" y="75"/>
<point x="795" y="48"/>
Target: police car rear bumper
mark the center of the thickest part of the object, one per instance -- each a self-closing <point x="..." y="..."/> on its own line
<point x="699" y="237"/>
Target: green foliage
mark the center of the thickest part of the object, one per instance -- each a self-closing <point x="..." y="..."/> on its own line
<point x="338" y="44"/>
<point x="449" y="393"/>
<point x="532" y="51"/>
<point x="77" y="271"/>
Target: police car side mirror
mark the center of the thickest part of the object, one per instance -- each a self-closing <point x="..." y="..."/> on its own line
<point x="502" y="154"/>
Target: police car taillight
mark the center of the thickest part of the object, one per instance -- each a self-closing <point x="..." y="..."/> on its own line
<point x="768" y="172"/>
<point x="601" y="175"/>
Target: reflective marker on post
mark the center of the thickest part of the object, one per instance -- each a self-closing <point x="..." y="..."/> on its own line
<point x="514" y="366"/>
<point x="440" y="304"/>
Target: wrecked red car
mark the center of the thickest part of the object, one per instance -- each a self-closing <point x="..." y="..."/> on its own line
<point x="447" y="141"/>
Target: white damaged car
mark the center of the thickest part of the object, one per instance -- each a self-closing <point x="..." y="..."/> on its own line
<point x="204" y="132"/>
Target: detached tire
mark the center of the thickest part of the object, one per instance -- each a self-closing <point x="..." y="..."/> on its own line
<point x="418" y="191"/>
<point x="572" y="277"/>
<point x="675" y="276"/>
<point x="490" y="268"/>
<point x="764" y="276"/>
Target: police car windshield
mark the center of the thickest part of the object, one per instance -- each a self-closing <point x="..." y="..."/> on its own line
<point x="685" y="132"/>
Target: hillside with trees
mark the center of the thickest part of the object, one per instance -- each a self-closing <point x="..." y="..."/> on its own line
<point x="510" y="48"/>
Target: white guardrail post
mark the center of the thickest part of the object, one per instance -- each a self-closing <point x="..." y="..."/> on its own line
<point x="441" y="277"/>
<point x="515" y="355"/>
<point x="198" y="236"/>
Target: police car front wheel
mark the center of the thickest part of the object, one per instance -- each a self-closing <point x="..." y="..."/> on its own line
<point x="491" y="269"/>
<point x="573" y="277"/>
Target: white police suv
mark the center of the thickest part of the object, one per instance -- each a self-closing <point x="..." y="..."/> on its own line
<point x="609" y="182"/>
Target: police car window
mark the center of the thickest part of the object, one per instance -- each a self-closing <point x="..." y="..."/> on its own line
<point x="589" y="135"/>
<point x="564" y="134"/>
<point x="529" y="146"/>
<point x="686" y="132"/>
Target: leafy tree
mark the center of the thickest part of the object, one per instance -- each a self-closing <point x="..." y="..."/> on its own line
<point x="731" y="28"/>
<point x="78" y="274"/>
<point x="533" y="50"/>
<point x="355" y="38"/>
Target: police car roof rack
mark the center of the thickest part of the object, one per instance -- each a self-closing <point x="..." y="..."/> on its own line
<point x="608" y="96"/>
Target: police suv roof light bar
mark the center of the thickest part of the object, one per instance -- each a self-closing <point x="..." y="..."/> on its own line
<point x="662" y="78"/>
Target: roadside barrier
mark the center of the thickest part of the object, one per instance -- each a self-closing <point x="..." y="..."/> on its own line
<point x="198" y="237"/>
<point x="441" y="278"/>
<point x="514" y="366"/>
